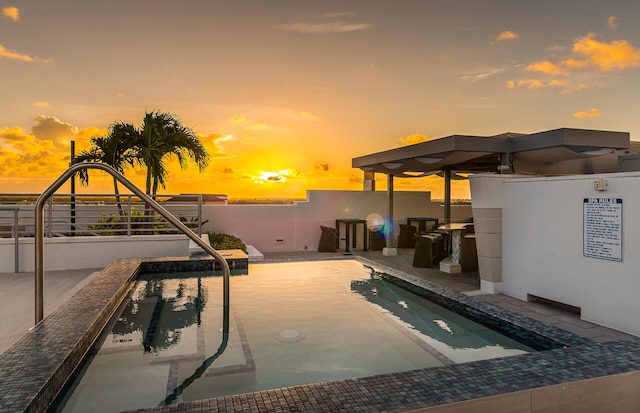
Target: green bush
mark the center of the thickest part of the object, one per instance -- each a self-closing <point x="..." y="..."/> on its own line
<point x="222" y="241"/>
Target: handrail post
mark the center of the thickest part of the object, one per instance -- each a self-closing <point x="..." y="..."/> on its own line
<point x="39" y="230"/>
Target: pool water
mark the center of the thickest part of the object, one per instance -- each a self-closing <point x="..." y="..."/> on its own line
<point x="288" y="324"/>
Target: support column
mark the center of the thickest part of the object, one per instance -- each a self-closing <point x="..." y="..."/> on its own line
<point x="389" y="232"/>
<point x="447" y="196"/>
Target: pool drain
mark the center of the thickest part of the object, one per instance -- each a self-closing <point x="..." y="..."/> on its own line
<point x="289" y="336"/>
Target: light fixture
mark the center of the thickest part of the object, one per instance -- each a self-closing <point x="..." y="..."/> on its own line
<point x="429" y="160"/>
<point x="392" y="165"/>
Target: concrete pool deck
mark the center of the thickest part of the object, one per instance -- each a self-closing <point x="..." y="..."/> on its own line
<point x="18" y="300"/>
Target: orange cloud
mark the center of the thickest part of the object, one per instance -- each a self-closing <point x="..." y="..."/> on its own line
<point x="587" y="113"/>
<point x="44" y="151"/>
<point x="41" y="104"/>
<point x="530" y="83"/>
<point x="618" y="54"/>
<point x="411" y="139"/>
<point x="566" y="87"/>
<point x="238" y="119"/>
<point x="11" y="12"/>
<point x="507" y="35"/>
<point x="611" y="22"/>
<point x="10" y="54"/>
<point x="547" y="68"/>
<point x="214" y="144"/>
<point x="588" y="54"/>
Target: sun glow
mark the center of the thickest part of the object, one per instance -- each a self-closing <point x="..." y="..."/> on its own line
<point x="279" y="176"/>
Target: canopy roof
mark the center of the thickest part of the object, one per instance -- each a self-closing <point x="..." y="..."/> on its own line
<point x="558" y="151"/>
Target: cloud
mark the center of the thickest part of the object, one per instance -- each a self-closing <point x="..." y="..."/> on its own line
<point x="40" y="104"/>
<point x="329" y="27"/>
<point x="618" y="54"/>
<point x="327" y="23"/>
<point x="10" y="54"/>
<point x="564" y="85"/>
<point x="251" y="125"/>
<point x="411" y="139"/>
<point x="42" y="152"/>
<point x="506" y="35"/>
<point x="483" y="74"/>
<point x="612" y="22"/>
<point x="11" y="12"/>
<point x="547" y="68"/>
<point x="53" y="129"/>
<point x="238" y="119"/>
<point x="588" y="57"/>
<point x="587" y="113"/>
<point x="214" y="144"/>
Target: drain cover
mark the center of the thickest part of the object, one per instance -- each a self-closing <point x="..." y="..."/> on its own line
<point x="289" y="336"/>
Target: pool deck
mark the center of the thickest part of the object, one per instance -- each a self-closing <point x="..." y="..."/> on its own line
<point x="17" y="312"/>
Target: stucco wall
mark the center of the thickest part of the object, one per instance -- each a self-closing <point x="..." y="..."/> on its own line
<point x="275" y="228"/>
<point x="62" y="253"/>
<point x="542" y="247"/>
<point x="269" y="228"/>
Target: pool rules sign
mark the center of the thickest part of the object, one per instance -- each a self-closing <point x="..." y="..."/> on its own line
<point x="602" y="228"/>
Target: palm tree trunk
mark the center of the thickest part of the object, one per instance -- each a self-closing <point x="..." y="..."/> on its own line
<point x="118" y="203"/>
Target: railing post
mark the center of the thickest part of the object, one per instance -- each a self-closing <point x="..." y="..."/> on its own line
<point x="129" y="206"/>
<point x="16" y="237"/>
<point x="50" y="226"/>
<point x="199" y="215"/>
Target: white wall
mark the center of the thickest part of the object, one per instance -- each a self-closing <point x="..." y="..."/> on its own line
<point x="64" y="253"/>
<point x="542" y="249"/>
<point x="298" y="225"/>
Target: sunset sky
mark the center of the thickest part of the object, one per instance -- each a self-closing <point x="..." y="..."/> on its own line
<point x="285" y="93"/>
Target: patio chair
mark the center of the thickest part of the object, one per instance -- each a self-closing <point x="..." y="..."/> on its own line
<point x="407" y="236"/>
<point x="328" y="240"/>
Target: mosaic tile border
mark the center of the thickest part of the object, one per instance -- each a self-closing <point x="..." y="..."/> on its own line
<point x="35" y="368"/>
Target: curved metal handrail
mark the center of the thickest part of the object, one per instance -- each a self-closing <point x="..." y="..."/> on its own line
<point x="39" y="230"/>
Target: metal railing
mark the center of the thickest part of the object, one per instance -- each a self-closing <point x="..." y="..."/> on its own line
<point x="102" y="214"/>
<point x="148" y="201"/>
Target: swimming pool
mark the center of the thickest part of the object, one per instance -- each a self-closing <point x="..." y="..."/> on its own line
<point x="288" y="324"/>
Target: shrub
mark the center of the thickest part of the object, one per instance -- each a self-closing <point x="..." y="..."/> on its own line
<point x="222" y="241"/>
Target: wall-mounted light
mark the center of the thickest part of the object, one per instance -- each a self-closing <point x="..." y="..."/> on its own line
<point x="600" y="184"/>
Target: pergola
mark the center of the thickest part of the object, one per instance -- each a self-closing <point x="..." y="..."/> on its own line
<point x="562" y="151"/>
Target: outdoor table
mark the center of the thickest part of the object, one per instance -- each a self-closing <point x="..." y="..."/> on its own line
<point x="456" y="231"/>
<point x="351" y="225"/>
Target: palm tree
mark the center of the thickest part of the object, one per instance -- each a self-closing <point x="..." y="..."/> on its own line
<point x="160" y="137"/>
<point x="114" y="150"/>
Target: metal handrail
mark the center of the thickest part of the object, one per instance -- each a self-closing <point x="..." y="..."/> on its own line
<point x="39" y="230"/>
